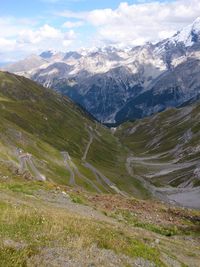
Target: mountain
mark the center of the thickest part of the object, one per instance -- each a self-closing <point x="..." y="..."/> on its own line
<point x="55" y="133"/>
<point x="31" y="62"/>
<point x="165" y="153"/>
<point x="116" y="85"/>
<point x="68" y="184"/>
<point x="44" y="136"/>
<point x="173" y="89"/>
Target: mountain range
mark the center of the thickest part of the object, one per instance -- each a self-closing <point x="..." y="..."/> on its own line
<point x="116" y="85"/>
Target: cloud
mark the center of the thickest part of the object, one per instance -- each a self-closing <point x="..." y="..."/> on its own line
<point x="71" y="14"/>
<point x="46" y="37"/>
<point x="10" y="26"/>
<point x="7" y="45"/>
<point x="127" y="25"/>
<point x="43" y="33"/>
<point x="73" y="24"/>
<point x="138" y="23"/>
<point x="18" y="39"/>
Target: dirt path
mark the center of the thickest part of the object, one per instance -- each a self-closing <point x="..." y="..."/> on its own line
<point x="144" y="182"/>
<point x="26" y="163"/>
<point x="101" y="178"/>
<point x="187" y="197"/>
<point x="91" y="137"/>
<point x="73" y="169"/>
<point x="96" y="173"/>
<point x="165" y="167"/>
<point x="86" y="179"/>
<point x="67" y="161"/>
<point x="35" y="170"/>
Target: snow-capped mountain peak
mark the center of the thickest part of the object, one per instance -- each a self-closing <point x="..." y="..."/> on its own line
<point x="188" y="35"/>
<point x="116" y="84"/>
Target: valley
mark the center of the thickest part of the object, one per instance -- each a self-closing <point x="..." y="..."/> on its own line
<point x="157" y="156"/>
<point x="63" y="144"/>
<point x="74" y="191"/>
<point x="165" y="154"/>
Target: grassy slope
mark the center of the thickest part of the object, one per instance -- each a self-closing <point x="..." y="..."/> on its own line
<point x="42" y="226"/>
<point x="163" y="138"/>
<point x="43" y="124"/>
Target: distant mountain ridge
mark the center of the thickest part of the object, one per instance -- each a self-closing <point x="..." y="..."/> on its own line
<point x="116" y="85"/>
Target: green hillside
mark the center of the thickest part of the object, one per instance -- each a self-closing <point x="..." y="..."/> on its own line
<point x="165" y="152"/>
<point x="44" y="136"/>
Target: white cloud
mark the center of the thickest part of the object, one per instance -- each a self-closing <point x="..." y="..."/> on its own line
<point x="71" y="14"/>
<point x="43" y="33"/>
<point x="139" y="23"/>
<point x="46" y="37"/>
<point x="19" y="38"/>
<point x="70" y="35"/>
<point x="10" y="26"/>
<point x="7" y="45"/>
<point x="127" y="25"/>
<point x="73" y="24"/>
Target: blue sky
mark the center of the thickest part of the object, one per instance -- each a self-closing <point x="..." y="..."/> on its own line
<point x="28" y="27"/>
<point x="20" y="8"/>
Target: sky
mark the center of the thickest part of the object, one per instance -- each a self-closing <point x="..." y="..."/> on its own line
<point x="30" y="27"/>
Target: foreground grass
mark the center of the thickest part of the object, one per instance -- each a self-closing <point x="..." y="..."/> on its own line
<point x="31" y="229"/>
<point x="32" y="221"/>
<point x="187" y="227"/>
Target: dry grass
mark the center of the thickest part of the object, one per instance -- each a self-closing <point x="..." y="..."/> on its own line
<point x="50" y="227"/>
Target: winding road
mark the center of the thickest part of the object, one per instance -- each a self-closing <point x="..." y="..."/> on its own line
<point x="101" y="178"/>
<point x="26" y="163"/>
<point x="187" y="197"/>
<point x="73" y="170"/>
<point x="91" y="137"/>
<point x="68" y="164"/>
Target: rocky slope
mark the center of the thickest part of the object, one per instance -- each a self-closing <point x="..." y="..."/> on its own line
<point x="117" y="85"/>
